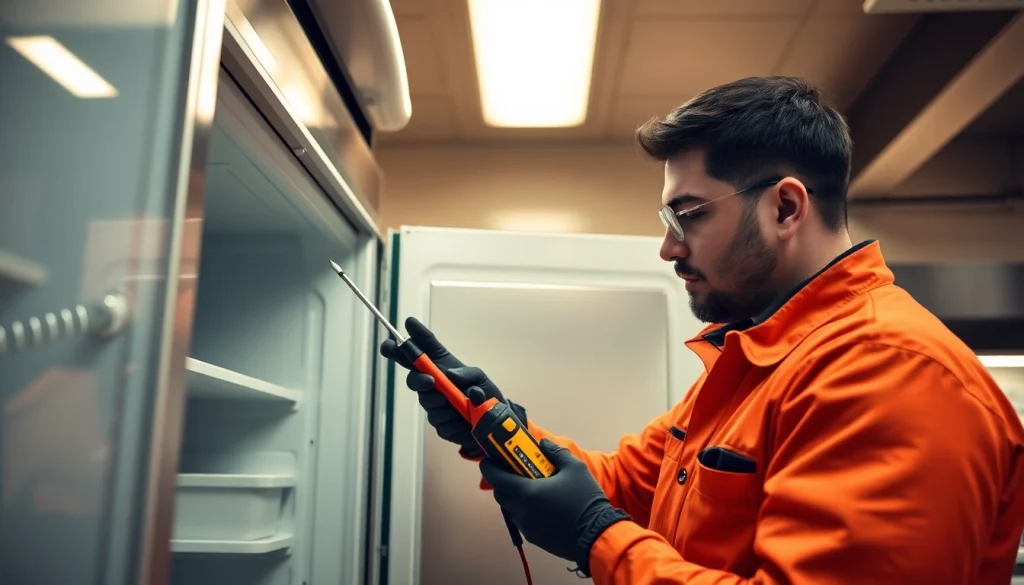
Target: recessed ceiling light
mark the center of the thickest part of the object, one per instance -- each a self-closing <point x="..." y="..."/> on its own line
<point x="54" y="59"/>
<point x="534" y="60"/>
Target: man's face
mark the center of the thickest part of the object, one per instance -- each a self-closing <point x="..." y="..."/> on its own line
<point x="725" y="259"/>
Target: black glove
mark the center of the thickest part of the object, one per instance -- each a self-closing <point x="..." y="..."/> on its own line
<point x="563" y="514"/>
<point x="441" y="415"/>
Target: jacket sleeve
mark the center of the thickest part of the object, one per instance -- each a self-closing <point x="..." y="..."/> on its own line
<point x="629" y="474"/>
<point x="885" y="469"/>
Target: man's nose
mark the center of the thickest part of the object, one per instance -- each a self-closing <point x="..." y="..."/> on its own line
<point x="672" y="249"/>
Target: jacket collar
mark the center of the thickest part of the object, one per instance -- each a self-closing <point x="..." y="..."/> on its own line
<point x="768" y="338"/>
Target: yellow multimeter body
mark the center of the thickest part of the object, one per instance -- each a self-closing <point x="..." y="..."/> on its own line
<point x="506" y="440"/>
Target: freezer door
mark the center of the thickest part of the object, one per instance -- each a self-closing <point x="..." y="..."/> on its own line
<point x="105" y="108"/>
<point x="586" y="332"/>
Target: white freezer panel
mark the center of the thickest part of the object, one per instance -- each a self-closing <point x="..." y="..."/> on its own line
<point x="522" y="306"/>
<point x="588" y="363"/>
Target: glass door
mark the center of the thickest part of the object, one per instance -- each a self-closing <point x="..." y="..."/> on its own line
<point x="105" y="107"/>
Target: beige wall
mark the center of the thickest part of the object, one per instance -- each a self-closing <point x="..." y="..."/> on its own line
<point x="614" y="190"/>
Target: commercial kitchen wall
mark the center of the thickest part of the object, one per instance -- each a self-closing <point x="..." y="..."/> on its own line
<point x="612" y="189"/>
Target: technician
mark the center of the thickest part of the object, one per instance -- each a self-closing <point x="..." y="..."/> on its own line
<point x="839" y="433"/>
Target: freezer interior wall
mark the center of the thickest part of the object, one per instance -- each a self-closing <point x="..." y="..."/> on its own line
<point x="273" y="464"/>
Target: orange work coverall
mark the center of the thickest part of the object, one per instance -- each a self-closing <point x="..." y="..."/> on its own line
<point x="846" y="436"/>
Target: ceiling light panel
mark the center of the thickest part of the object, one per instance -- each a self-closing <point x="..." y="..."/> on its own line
<point x="534" y="60"/>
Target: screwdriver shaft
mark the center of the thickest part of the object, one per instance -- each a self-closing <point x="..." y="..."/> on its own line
<point x="376" y="313"/>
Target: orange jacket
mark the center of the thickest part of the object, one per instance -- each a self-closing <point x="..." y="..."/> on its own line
<point x="845" y="437"/>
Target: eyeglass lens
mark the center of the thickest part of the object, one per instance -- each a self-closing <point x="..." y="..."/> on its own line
<point x="671" y="221"/>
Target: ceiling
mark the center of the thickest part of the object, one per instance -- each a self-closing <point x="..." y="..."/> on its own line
<point x="910" y="85"/>
<point x="652" y="55"/>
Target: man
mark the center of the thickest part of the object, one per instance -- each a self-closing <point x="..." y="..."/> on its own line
<point x="840" y="433"/>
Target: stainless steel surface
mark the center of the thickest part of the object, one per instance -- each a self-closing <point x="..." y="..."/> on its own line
<point x="245" y="148"/>
<point x="982" y="302"/>
<point x="267" y="53"/>
<point x="154" y="567"/>
<point x="369" y="305"/>
<point x="364" y="37"/>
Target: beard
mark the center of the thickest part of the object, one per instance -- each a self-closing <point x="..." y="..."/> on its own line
<point x="747" y="265"/>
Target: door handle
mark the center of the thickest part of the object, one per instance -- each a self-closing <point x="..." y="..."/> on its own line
<point x="103" y="319"/>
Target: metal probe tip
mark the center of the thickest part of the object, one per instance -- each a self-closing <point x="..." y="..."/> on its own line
<point x="376" y="313"/>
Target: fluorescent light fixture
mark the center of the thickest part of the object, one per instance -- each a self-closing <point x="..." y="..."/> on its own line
<point x="534" y="60"/>
<point x="46" y="53"/>
<point x="1002" y="361"/>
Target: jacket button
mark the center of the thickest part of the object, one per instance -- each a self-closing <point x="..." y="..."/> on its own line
<point x="681" y="478"/>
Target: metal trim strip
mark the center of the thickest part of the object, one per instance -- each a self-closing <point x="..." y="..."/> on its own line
<point x="247" y="71"/>
<point x="154" y="567"/>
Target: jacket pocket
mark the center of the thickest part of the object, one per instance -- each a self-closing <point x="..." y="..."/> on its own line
<point x="719" y="515"/>
<point x="723" y="459"/>
<point x="723" y="474"/>
<point x="674" y="440"/>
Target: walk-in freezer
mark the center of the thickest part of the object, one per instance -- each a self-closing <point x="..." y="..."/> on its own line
<point x="189" y="395"/>
<point x="186" y="387"/>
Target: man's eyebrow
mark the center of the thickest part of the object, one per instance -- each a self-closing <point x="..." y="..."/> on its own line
<point x="683" y="199"/>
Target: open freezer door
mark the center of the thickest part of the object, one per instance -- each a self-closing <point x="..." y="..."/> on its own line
<point x="586" y="332"/>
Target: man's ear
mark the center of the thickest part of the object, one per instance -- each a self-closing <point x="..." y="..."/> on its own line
<point x="792" y="206"/>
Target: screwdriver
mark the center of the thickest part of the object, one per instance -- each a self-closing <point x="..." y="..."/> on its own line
<point x="495" y="426"/>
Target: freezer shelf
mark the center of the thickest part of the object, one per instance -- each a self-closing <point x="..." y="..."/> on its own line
<point x="20" y="270"/>
<point x="234" y="480"/>
<point x="229" y="512"/>
<point x="224" y="547"/>
<point x="213" y="382"/>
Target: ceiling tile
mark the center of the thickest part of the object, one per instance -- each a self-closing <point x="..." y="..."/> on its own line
<point x="745" y="8"/>
<point x="433" y="120"/>
<point x="421" y="57"/>
<point x="685" y="58"/>
<point x="842" y="54"/>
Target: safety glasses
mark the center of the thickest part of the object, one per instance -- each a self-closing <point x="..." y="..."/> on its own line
<point x="670" y="217"/>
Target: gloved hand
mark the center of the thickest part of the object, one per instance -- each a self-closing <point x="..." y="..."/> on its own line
<point x="441" y="415"/>
<point x="563" y="514"/>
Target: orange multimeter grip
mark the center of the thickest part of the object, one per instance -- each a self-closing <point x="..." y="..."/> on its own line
<point x="444" y="385"/>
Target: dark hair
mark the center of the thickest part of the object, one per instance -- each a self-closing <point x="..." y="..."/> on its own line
<point x="759" y="128"/>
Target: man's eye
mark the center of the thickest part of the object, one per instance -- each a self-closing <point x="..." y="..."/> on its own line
<point x="690" y="215"/>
